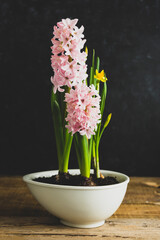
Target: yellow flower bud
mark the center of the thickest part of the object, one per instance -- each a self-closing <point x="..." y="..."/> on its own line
<point x="100" y="76"/>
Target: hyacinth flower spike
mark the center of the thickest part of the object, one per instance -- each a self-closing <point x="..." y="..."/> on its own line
<point x="69" y="67"/>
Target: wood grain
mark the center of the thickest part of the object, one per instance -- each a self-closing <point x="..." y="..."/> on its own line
<point x="21" y="217"/>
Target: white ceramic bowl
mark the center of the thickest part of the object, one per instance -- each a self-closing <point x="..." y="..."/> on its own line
<point x="78" y="206"/>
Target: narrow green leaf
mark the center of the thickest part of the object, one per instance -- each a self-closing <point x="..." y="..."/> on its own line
<point x="58" y="130"/>
<point x="103" y="97"/>
<point x="91" y="76"/>
<point x="93" y="58"/>
<point x="96" y="83"/>
<point x="93" y="67"/>
<point x="53" y="98"/>
<point x="98" y="64"/>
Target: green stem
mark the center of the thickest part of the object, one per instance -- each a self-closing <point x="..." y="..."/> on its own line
<point x="90" y="146"/>
<point x="97" y="160"/>
<point x="83" y="154"/>
<point x="78" y="151"/>
<point x="94" y="156"/>
<point x="66" y="152"/>
<point x="85" y="161"/>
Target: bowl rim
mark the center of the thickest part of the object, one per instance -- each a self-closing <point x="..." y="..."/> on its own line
<point x="28" y="178"/>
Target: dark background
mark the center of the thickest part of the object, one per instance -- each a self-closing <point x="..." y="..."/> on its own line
<point x="126" y="36"/>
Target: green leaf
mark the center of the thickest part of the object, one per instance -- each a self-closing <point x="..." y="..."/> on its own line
<point x="93" y="68"/>
<point x="98" y="64"/>
<point x="58" y="122"/>
<point x="91" y="76"/>
<point x="63" y="138"/>
<point x="103" y="97"/>
<point x="96" y="82"/>
<point x="53" y="98"/>
<point x="58" y="130"/>
<point x="93" y="58"/>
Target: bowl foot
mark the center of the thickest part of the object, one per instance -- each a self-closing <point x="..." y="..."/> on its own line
<point x="76" y="225"/>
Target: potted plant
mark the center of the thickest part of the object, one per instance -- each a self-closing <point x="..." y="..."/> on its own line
<point x="82" y="197"/>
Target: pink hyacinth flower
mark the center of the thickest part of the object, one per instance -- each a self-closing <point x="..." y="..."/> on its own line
<point x="68" y="61"/>
<point x="83" y="107"/>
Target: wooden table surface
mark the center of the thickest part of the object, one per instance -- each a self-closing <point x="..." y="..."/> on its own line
<point x="21" y="217"/>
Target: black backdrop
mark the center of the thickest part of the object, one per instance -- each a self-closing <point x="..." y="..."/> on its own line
<point x="126" y="36"/>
